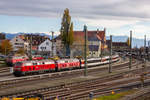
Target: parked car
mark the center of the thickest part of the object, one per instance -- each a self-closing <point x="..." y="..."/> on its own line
<point x="2" y="56"/>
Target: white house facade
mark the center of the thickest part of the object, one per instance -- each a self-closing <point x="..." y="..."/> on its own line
<point x="94" y="48"/>
<point x="46" y="46"/>
<point x="17" y="43"/>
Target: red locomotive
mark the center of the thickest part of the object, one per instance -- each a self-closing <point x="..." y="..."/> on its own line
<point x="13" y="59"/>
<point x="40" y="66"/>
<point x="37" y="57"/>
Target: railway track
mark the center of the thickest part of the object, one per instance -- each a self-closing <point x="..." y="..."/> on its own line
<point x="4" y="72"/>
<point x="78" y="90"/>
<point x="5" y="69"/>
<point x="51" y="76"/>
<point x="56" y="76"/>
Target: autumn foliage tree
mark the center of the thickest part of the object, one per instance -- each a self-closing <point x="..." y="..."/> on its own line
<point x="21" y="51"/>
<point x="6" y="47"/>
<point x="67" y="31"/>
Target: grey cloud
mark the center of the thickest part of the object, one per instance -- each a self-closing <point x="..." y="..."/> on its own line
<point x="78" y="8"/>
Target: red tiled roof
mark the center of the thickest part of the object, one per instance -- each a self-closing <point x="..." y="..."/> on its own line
<point x="117" y="43"/>
<point x="101" y="36"/>
<point x="92" y="34"/>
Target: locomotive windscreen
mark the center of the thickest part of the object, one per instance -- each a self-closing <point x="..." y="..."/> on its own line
<point x="18" y="64"/>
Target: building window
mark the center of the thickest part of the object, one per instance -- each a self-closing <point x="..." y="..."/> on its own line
<point x="47" y="43"/>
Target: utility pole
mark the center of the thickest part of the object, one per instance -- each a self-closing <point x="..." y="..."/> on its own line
<point x="31" y="47"/>
<point x="145" y="42"/>
<point x="92" y="49"/>
<point x="130" y="63"/>
<point x="85" y="51"/>
<point x="52" y="44"/>
<point x="110" y="59"/>
<point x="148" y="49"/>
<point x="5" y="49"/>
<point x="145" y="51"/>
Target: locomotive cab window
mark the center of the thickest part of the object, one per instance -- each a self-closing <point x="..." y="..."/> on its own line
<point x="18" y="64"/>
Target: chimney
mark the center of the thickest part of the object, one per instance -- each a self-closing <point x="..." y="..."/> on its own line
<point x="104" y="29"/>
<point x="97" y="30"/>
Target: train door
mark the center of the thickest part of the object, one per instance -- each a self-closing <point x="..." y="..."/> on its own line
<point x="56" y="66"/>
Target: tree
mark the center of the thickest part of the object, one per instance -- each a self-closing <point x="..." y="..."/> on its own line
<point x="21" y="51"/>
<point x="67" y="31"/>
<point x="6" y="47"/>
<point x="128" y="42"/>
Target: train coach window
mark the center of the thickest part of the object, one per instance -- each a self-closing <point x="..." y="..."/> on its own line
<point x="34" y="63"/>
<point x="43" y="63"/>
<point x="66" y="61"/>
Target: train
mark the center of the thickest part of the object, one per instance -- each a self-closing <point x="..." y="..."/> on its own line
<point x="11" y="60"/>
<point x="47" y="65"/>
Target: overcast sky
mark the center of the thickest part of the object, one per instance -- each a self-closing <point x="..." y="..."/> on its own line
<point x="117" y="16"/>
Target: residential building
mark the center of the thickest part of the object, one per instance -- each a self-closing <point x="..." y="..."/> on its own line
<point x="96" y="42"/>
<point x="46" y="48"/>
<point x="17" y="43"/>
<point x="35" y="39"/>
<point x="2" y="36"/>
<point x="118" y="46"/>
